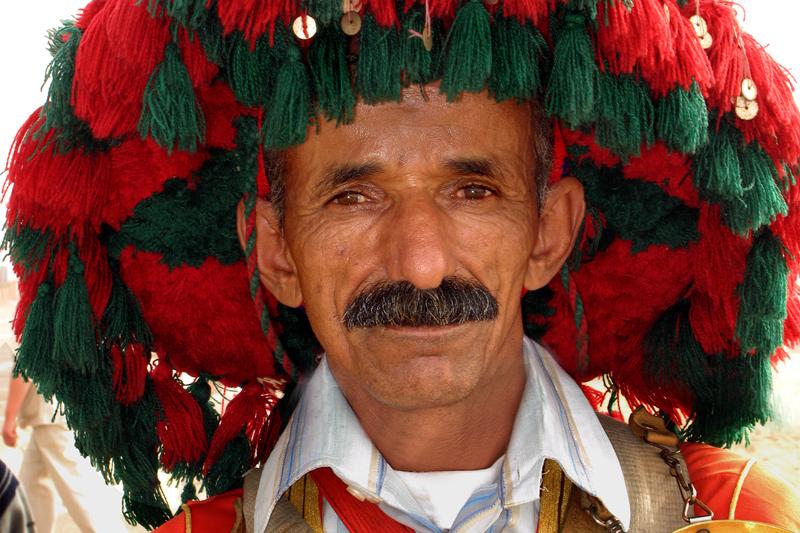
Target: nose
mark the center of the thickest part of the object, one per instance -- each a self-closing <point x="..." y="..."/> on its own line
<point x="418" y="242"/>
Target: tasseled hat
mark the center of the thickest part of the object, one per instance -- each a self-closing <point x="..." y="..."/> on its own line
<point x="121" y="222"/>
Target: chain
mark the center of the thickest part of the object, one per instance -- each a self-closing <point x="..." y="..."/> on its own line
<point x="611" y="524"/>
<point x="687" y="488"/>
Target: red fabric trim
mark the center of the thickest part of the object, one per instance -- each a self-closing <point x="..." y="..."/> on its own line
<point x="358" y="516"/>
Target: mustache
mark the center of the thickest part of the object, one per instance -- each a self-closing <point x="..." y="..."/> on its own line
<point x="401" y="304"/>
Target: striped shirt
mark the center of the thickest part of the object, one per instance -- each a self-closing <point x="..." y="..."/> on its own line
<point x="554" y="421"/>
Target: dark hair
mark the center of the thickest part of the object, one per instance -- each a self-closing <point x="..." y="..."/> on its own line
<point x="542" y="151"/>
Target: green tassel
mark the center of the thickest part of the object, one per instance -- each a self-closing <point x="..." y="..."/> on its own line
<point x="26" y="246"/>
<point x="325" y="12"/>
<point x="517" y="53"/>
<point x="123" y="322"/>
<point x="331" y="74"/>
<point x="228" y="471"/>
<point x="75" y="343"/>
<point x="417" y="62"/>
<point x="762" y="200"/>
<point x="249" y="71"/>
<point x="289" y="111"/>
<point x="682" y="120"/>
<point x="624" y="115"/>
<point x="184" y="473"/>
<point x="57" y="112"/>
<point x="468" y="60"/>
<point x="762" y="311"/>
<point x="136" y="464"/>
<point x="589" y="7"/>
<point x="34" y="355"/>
<point x="378" y="69"/>
<point x="721" y="414"/>
<point x="186" y="12"/>
<point x="93" y="414"/>
<point x="210" y="32"/>
<point x="171" y="113"/>
<point x="717" y="173"/>
<point x="570" y="93"/>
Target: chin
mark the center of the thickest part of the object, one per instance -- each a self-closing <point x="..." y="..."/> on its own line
<point x="423" y="381"/>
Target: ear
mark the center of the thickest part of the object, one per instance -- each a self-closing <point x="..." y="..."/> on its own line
<point x="560" y="220"/>
<point x="276" y="268"/>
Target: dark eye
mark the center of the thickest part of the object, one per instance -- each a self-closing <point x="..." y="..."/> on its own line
<point x="474" y="191"/>
<point x="349" y="198"/>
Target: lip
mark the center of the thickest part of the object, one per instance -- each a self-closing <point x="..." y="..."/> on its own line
<point x="425" y="331"/>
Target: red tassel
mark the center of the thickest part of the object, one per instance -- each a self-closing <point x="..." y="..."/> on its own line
<point x="727" y="60"/>
<point x="130" y="373"/>
<point x="633" y="36"/>
<point x="62" y="192"/>
<point x="202" y="317"/>
<point x="594" y="396"/>
<point x="777" y="125"/>
<point x="119" y="50"/>
<point x="251" y="411"/>
<point x="535" y="11"/>
<point x="201" y="71"/>
<point x="140" y="168"/>
<point x="384" y="11"/>
<point x="89" y="12"/>
<point x="718" y="263"/>
<point x="221" y="109"/>
<point x="255" y="17"/>
<point x="97" y="273"/>
<point x="180" y="425"/>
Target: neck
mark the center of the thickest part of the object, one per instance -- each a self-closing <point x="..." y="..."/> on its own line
<point x="468" y="435"/>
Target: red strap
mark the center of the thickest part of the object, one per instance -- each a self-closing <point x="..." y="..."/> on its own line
<point x="358" y="516"/>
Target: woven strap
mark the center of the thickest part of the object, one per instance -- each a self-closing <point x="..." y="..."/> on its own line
<point x="284" y="518"/>
<point x="656" y="503"/>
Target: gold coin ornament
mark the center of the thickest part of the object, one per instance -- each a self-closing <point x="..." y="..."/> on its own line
<point x="706" y="41"/>
<point x="700" y="25"/>
<point x="746" y="109"/>
<point x="304" y="27"/>
<point x="350" y="23"/>
<point x="749" y="89"/>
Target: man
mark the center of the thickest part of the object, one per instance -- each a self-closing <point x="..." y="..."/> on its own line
<point x="387" y="243"/>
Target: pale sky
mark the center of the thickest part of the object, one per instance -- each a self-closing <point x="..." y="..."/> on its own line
<point x="25" y="56"/>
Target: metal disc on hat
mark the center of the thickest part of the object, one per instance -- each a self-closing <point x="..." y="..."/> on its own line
<point x="351" y="23"/>
<point x="746" y="109"/>
<point x="304" y="27"/>
<point x="706" y="41"/>
<point x="749" y="89"/>
<point x="700" y="26"/>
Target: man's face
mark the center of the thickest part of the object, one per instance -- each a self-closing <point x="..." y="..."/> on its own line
<point x="420" y="192"/>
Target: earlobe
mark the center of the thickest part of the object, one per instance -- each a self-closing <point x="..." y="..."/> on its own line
<point x="560" y="221"/>
<point x="274" y="262"/>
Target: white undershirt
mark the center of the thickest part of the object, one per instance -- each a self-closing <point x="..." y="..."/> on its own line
<point x="443" y="494"/>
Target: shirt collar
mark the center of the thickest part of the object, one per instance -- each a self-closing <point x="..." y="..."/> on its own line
<point x="324" y="432"/>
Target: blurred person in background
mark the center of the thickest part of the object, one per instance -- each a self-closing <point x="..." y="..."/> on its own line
<point x="51" y="464"/>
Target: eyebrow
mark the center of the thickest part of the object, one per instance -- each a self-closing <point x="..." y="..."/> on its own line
<point x="475" y="166"/>
<point x="340" y="175"/>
